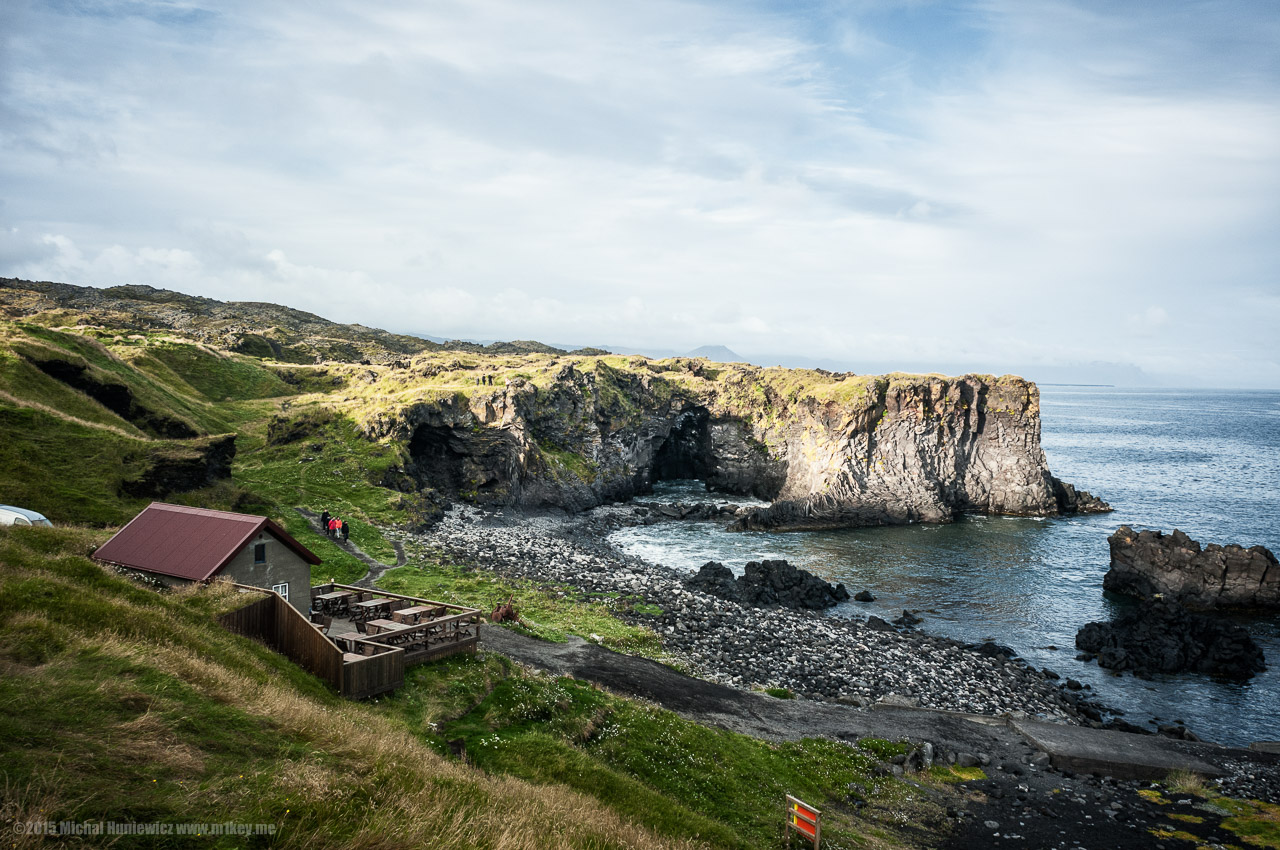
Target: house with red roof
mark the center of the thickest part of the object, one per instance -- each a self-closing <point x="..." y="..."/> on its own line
<point x="180" y="545"/>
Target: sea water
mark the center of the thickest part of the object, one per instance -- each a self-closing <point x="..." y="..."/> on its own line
<point x="1204" y="461"/>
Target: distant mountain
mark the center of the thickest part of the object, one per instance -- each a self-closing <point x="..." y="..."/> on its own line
<point x="717" y="354"/>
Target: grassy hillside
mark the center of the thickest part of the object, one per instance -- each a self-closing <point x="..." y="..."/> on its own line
<point x="87" y="418"/>
<point x="123" y="703"/>
<point x="97" y="419"/>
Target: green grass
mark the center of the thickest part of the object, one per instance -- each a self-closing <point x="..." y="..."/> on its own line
<point x="1256" y="822"/>
<point x="953" y="774"/>
<point x="119" y="703"/>
<point x="25" y="383"/>
<point x="219" y="377"/>
<point x="332" y="468"/>
<point x="551" y="613"/>
<point x="562" y="460"/>
<point x="149" y="392"/>
<point x="668" y="773"/>
<point x="65" y="470"/>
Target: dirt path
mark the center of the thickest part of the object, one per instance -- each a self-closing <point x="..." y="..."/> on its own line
<point x="754" y="714"/>
<point x="376" y="568"/>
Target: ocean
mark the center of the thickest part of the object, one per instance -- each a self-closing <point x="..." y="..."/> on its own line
<point x="1204" y="461"/>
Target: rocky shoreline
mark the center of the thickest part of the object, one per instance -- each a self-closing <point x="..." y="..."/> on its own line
<point x="814" y="656"/>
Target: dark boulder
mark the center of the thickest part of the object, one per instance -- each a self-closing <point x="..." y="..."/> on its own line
<point x="1166" y="638"/>
<point x="779" y="583"/>
<point x="1177" y="731"/>
<point x="1116" y="724"/>
<point x="698" y="511"/>
<point x="991" y="649"/>
<point x="1073" y="501"/>
<point x="863" y="596"/>
<point x="766" y="583"/>
<point x="1151" y="564"/>
<point x="908" y="619"/>
<point x="715" y="579"/>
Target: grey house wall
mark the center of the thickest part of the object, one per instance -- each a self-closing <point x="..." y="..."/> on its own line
<point x="283" y="566"/>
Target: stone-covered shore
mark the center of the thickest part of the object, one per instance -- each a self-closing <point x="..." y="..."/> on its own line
<point x="811" y="654"/>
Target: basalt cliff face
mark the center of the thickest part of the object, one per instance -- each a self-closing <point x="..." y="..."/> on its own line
<point x="829" y="450"/>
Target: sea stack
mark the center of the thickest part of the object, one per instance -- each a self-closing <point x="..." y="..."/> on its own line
<point x="1148" y="564"/>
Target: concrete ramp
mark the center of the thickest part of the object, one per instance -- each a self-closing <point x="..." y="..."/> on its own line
<point x="1122" y="755"/>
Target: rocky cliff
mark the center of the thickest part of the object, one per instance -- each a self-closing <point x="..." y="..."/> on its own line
<point x="1147" y="563"/>
<point x="830" y="450"/>
<point x="512" y="424"/>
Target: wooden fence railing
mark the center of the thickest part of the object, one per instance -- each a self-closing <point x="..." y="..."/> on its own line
<point x="280" y="626"/>
<point x="427" y="640"/>
<point x="320" y="589"/>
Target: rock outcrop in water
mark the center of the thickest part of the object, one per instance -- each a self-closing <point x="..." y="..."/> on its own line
<point x="828" y="450"/>
<point x="765" y="583"/>
<point x="1149" y="563"/>
<point x="1163" y="637"/>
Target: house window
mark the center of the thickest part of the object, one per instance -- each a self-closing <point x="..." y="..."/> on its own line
<point x="282" y="589"/>
<point x="260" y="553"/>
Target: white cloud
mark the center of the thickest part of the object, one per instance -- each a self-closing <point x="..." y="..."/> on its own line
<point x="668" y="174"/>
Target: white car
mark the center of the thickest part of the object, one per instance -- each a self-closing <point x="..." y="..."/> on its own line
<point x="9" y="515"/>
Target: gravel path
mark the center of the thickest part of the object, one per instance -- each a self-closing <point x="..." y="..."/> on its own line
<point x="375" y="567"/>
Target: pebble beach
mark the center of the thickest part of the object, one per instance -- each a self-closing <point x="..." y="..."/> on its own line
<point x="811" y="655"/>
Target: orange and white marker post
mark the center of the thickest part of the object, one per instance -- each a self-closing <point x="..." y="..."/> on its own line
<point x="804" y="819"/>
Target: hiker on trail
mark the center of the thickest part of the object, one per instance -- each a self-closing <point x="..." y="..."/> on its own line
<point x="324" y="522"/>
<point x="333" y="527"/>
<point x="346" y="531"/>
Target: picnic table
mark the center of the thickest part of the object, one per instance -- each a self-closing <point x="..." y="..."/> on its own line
<point x="331" y="602"/>
<point x="411" y="615"/>
<point x="382" y="625"/>
<point x="368" y="609"/>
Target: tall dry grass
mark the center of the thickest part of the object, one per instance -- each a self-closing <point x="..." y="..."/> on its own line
<point x="398" y="791"/>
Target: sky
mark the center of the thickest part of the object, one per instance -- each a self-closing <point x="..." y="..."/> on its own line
<point x="1053" y="189"/>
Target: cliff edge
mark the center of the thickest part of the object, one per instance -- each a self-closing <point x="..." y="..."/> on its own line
<point x="827" y="449"/>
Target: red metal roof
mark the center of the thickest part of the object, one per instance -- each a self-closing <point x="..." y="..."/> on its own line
<point x="190" y="543"/>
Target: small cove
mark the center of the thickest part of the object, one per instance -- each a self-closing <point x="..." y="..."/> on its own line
<point x="1203" y="461"/>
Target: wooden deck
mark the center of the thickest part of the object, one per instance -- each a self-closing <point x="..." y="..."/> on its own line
<point x="350" y="645"/>
<point x="355" y="618"/>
